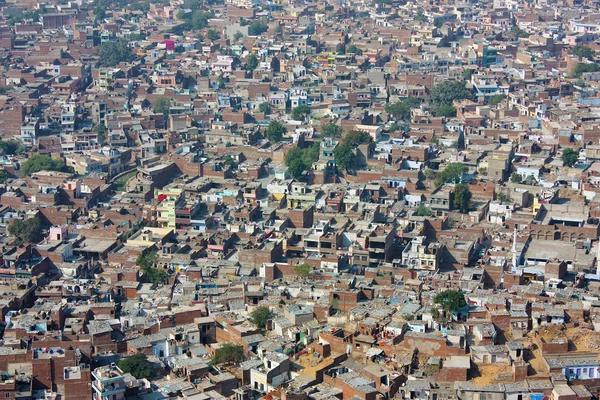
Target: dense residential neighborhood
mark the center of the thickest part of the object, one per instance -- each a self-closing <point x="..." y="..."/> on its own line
<point x="297" y="200"/>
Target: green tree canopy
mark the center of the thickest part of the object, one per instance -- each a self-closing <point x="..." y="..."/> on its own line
<point x="258" y="27"/>
<point x="423" y="211"/>
<point x="355" y="50"/>
<point x="345" y="159"/>
<point x="302" y="270"/>
<point x="162" y="105"/>
<point x="28" y="231"/>
<point x="113" y="53"/>
<point x="299" y="160"/>
<point x="583" y="51"/>
<point x="516" y="178"/>
<point x="569" y="157"/>
<point x="200" y="19"/>
<point x="12" y="147"/>
<point x="300" y="112"/>
<point x="229" y="353"/>
<point x="462" y="198"/>
<point x="450" y="300"/>
<point x="264" y="108"/>
<point x="296" y="168"/>
<point x="43" y="162"/>
<point x="447" y="92"/>
<point x="147" y="263"/>
<point x="582" y="68"/>
<point x="100" y="130"/>
<point x="137" y="365"/>
<point x="356" y="138"/>
<point x="213" y="35"/>
<point x="340" y="49"/>
<point x="468" y="73"/>
<point x="497" y="99"/>
<point x="401" y="109"/>
<point x="445" y="111"/>
<point x="275" y="131"/>
<point x="260" y="316"/>
<point x="331" y="130"/>
<point x="419" y="16"/>
<point x="252" y="62"/>
<point x="451" y="174"/>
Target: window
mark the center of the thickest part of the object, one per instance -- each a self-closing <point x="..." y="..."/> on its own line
<point x="7" y="394"/>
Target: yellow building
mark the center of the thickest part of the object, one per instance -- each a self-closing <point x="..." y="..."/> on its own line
<point x="167" y="201"/>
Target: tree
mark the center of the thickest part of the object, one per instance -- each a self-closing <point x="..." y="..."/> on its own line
<point x="462" y="198"/>
<point x="100" y="130"/>
<point x="229" y="160"/>
<point x="483" y="171"/>
<point x="451" y="174"/>
<point x="447" y="92"/>
<point x="583" y="52"/>
<point x="99" y="13"/>
<point x="162" y="105"/>
<point x="296" y="168"/>
<point x="238" y="35"/>
<point x="299" y="160"/>
<point x="497" y="99"/>
<point x="147" y="263"/>
<point x="429" y="174"/>
<point x="200" y="19"/>
<point x="275" y="131"/>
<point x="311" y="154"/>
<point x="5" y="89"/>
<point x="252" y="62"/>
<point x="445" y="111"/>
<point x="450" y="300"/>
<point x="569" y="157"/>
<point x="438" y="22"/>
<point x="516" y="178"/>
<point x="468" y="73"/>
<point x="213" y="35"/>
<point x="518" y="32"/>
<point x="4" y="177"/>
<point x="331" y="130"/>
<point x="423" y="211"/>
<point x="300" y="112"/>
<point x="401" y="109"/>
<point x="582" y="68"/>
<point x="43" y="162"/>
<point x="12" y="147"/>
<point x="356" y="138"/>
<point x="355" y="50"/>
<point x="229" y="353"/>
<point x="530" y="180"/>
<point x="137" y="365"/>
<point x="113" y="53"/>
<point x="260" y="316"/>
<point x="264" y="108"/>
<point x="28" y="231"/>
<point x="419" y="16"/>
<point x="302" y="270"/>
<point x="340" y="49"/>
<point x="345" y="159"/>
<point x="257" y="28"/>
